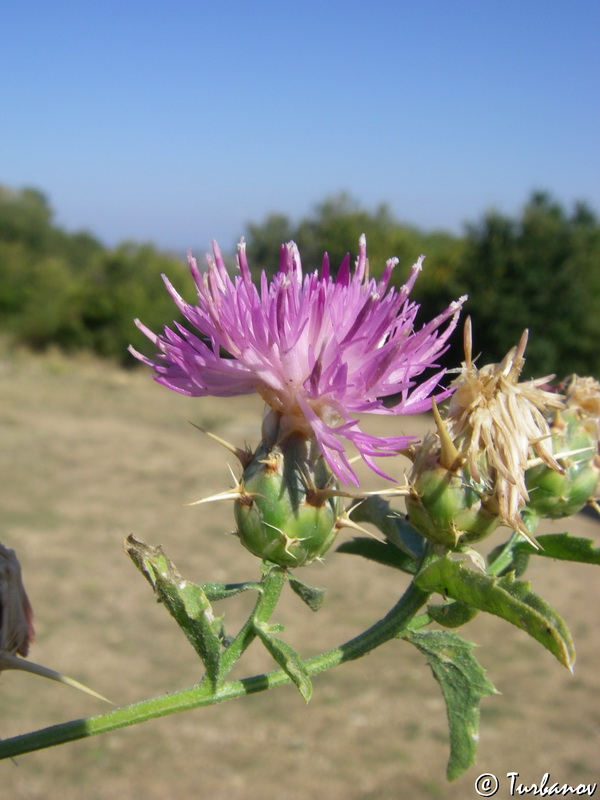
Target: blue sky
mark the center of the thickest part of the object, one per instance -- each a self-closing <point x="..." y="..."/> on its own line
<point x="177" y="121"/>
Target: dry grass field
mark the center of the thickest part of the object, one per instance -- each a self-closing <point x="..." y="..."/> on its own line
<point x="90" y="454"/>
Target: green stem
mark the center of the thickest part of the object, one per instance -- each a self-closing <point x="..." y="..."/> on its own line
<point x="505" y="558"/>
<point x="394" y="622"/>
<point x="270" y="591"/>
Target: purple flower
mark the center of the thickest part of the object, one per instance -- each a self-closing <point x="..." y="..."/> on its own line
<point x="318" y="349"/>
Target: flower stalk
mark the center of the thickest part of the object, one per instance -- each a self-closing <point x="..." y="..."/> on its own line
<point x="321" y="350"/>
<point x="392" y="625"/>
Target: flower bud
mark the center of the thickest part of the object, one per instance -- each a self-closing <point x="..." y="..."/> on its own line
<point x="16" y="617"/>
<point x="288" y="506"/>
<point x="446" y="505"/>
<point x="555" y="495"/>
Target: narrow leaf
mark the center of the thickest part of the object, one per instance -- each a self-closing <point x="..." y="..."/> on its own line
<point x="463" y="683"/>
<point x="558" y="546"/>
<point x="221" y="591"/>
<point x="564" y="547"/>
<point x="309" y="594"/>
<point x="505" y="597"/>
<point x="186" y="602"/>
<point x="287" y="658"/>
<point x="381" y="552"/>
<point x="393" y="525"/>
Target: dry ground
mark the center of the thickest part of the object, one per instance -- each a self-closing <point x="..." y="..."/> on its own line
<point x="90" y="454"/>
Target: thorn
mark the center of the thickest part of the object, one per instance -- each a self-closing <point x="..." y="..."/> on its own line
<point x="317" y="497"/>
<point x="235" y="480"/>
<point x="344" y="521"/>
<point x="562" y="456"/>
<point x="396" y="491"/>
<point x="230" y="494"/>
<point x="244" y="456"/>
<point x="10" y="661"/>
<point x="289" y="541"/>
<point x="450" y="458"/>
<point x="526" y="535"/>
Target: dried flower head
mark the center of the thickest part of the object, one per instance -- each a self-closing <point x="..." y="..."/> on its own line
<point x="318" y="349"/>
<point x="16" y="617"/>
<point x="583" y="394"/>
<point x="498" y="424"/>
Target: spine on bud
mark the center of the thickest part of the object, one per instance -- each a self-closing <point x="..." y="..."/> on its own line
<point x="445" y="504"/>
<point x="287" y="509"/>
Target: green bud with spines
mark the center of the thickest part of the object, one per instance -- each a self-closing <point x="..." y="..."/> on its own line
<point x="288" y="508"/>
<point x="446" y="505"/>
<point x="555" y="495"/>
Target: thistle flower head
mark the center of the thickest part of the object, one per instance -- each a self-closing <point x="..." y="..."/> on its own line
<point x="575" y="435"/>
<point x="318" y="349"/>
<point x="498" y="423"/>
<point x="583" y="394"/>
<point x="16" y="617"/>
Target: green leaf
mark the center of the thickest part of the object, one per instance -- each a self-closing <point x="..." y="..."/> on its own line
<point x="451" y="615"/>
<point x="463" y="683"/>
<point x="381" y="552"/>
<point x="558" y="546"/>
<point x="309" y="594"/>
<point x="221" y="591"/>
<point x="186" y="602"/>
<point x="287" y="658"/>
<point x="564" y="547"/>
<point x="393" y="525"/>
<point x="505" y="597"/>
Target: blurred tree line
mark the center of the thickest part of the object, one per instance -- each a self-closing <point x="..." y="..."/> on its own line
<point x="540" y="271"/>
<point x="68" y="290"/>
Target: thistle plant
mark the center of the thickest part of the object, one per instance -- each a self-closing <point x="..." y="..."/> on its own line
<point x="321" y="350"/>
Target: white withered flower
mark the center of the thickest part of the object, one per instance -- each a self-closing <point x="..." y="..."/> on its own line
<point x="500" y="425"/>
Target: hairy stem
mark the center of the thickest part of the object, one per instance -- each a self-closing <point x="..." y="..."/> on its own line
<point x="394" y="622"/>
<point x="270" y="591"/>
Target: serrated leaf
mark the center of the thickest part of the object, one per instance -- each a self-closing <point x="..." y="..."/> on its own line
<point x="381" y="552"/>
<point x="505" y="597"/>
<point x="312" y="596"/>
<point x="221" y="591"/>
<point x="463" y="683"/>
<point x="186" y="602"/>
<point x="287" y="658"/>
<point x="393" y="525"/>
